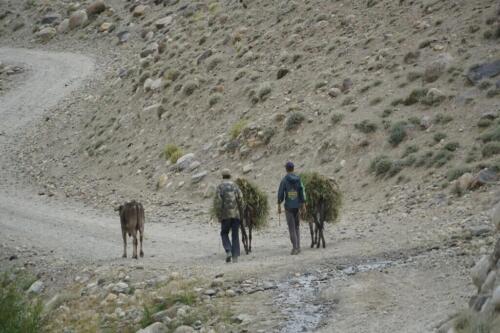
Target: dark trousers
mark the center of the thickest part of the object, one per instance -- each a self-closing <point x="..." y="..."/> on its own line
<point x="292" y="219"/>
<point x="232" y="246"/>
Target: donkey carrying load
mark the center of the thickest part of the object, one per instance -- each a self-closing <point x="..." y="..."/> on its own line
<point x="255" y="211"/>
<point x="323" y="200"/>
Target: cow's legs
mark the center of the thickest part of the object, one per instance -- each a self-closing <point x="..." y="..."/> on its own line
<point x="244" y="237"/>
<point x="250" y="238"/>
<point x="124" y="234"/>
<point x="311" y="228"/>
<point x="134" y="236"/>
<point x="141" y="232"/>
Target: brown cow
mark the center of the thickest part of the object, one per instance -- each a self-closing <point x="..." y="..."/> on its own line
<point x="132" y="220"/>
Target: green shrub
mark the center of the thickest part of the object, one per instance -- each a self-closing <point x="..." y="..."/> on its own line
<point x="264" y="91"/>
<point x="396" y="168"/>
<point x="397" y="133"/>
<point x="294" y="120"/>
<point x="457" y="172"/>
<point x="375" y="101"/>
<point x="172" y="152"/>
<point x="190" y="87"/>
<point x="409" y="150"/>
<point x="425" y="159"/>
<point x="415" y="96"/>
<point x="386" y="113"/>
<point x="441" y="158"/>
<point x="366" y="126"/>
<point x="172" y="74"/>
<point x="490" y="149"/>
<point x="337" y="118"/>
<point x="214" y="99"/>
<point x="439" y="136"/>
<point x="491" y="135"/>
<point x="237" y="128"/>
<point x="452" y="146"/>
<point x="17" y="313"/>
<point x="442" y="119"/>
<point x="318" y="189"/>
<point x="380" y="165"/>
<point x="484" y="122"/>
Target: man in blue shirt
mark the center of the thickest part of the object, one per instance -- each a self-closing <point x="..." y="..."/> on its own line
<point x="292" y="192"/>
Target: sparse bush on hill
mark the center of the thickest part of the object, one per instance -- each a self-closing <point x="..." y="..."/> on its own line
<point x="190" y="87"/>
<point x="294" y="120"/>
<point x="366" y="126"/>
<point x="456" y="172"/>
<point x="337" y="118"/>
<point x="264" y="91"/>
<point x="380" y="165"/>
<point x="237" y="128"/>
<point x="411" y="149"/>
<point x="172" y="153"/>
<point x="214" y="99"/>
<point x="441" y="158"/>
<point x="491" y="135"/>
<point x="442" y="119"/>
<point x="397" y="133"/>
<point x="452" y="146"/>
<point x="484" y="122"/>
<point x="415" y="96"/>
<point x="439" y="136"/>
<point x="490" y="149"/>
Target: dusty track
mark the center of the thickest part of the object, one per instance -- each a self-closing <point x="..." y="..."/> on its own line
<point x="368" y="302"/>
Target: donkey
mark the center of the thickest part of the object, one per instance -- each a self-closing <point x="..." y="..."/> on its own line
<point x="247" y="222"/>
<point x="132" y="221"/>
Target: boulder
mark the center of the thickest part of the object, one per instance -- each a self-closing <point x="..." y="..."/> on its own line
<point x="96" y="8"/>
<point x="184" y="162"/>
<point x="120" y="288"/>
<point x="63" y="27"/>
<point x="495" y="298"/>
<point x="161" y="316"/>
<point x="334" y="92"/>
<point x="46" y="34"/>
<point x="434" y="96"/>
<point x="157" y="84"/>
<point x="149" y="49"/>
<point x="484" y="177"/>
<point x="184" y="329"/>
<point x="154" y="328"/>
<point x="78" y="19"/>
<point x="247" y="168"/>
<point x="465" y="181"/>
<point x="480" y="271"/>
<point x="483" y="71"/>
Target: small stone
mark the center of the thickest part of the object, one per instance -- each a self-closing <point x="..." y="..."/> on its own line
<point x="230" y="293"/>
<point x="242" y="319"/>
<point x="37" y="287"/>
<point x="120" y="288"/>
<point x="163" y="22"/>
<point x="247" y="168"/>
<point x="218" y="282"/>
<point x="184" y="162"/>
<point x="162" y="181"/>
<point x="111" y="297"/>
<point x="123" y="36"/>
<point x="63" y="27"/>
<point x="334" y="92"/>
<point x="162" y="316"/>
<point x="210" y="292"/>
<point x="198" y="177"/>
<point x="184" y="329"/>
<point x="106" y="27"/>
<point x="480" y="271"/>
<point x="425" y="122"/>
<point x="46" y="34"/>
<point x="139" y="11"/>
<point x="51" y="19"/>
<point x="282" y="72"/>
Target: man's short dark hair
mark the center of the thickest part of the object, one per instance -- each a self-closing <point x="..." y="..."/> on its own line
<point x="289" y="167"/>
<point x="226" y="176"/>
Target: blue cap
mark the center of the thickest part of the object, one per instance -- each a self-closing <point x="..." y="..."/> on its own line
<point x="289" y="165"/>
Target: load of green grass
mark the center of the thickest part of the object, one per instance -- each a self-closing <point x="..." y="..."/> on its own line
<point x="254" y="202"/>
<point x="321" y="188"/>
<point x="17" y="313"/>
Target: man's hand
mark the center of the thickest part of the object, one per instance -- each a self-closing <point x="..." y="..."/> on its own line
<point x="279" y="209"/>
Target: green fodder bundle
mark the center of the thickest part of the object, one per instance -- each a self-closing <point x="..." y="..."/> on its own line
<point x="255" y="201"/>
<point x="320" y="188"/>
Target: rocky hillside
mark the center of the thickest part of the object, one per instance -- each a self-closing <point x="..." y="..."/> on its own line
<point x="369" y="92"/>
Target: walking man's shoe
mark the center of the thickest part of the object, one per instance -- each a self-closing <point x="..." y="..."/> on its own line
<point x="228" y="257"/>
<point x="294" y="252"/>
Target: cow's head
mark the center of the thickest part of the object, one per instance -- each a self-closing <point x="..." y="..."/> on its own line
<point x="119" y="209"/>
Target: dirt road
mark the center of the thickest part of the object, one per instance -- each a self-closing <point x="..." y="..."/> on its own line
<point x="374" y="300"/>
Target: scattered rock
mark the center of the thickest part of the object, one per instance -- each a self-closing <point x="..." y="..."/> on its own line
<point x="154" y="328"/>
<point x="282" y="72"/>
<point x="139" y="11"/>
<point x="480" y="271"/>
<point x="434" y="96"/>
<point x="163" y="22"/>
<point x="206" y="54"/>
<point x="161" y="316"/>
<point x="425" y="122"/>
<point x="96" y="8"/>
<point x="37" y="287"/>
<point x="78" y="19"/>
<point x="437" y="67"/>
<point x="484" y="177"/>
<point x="162" y="181"/>
<point x="486" y="70"/>
<point x="52" y="19"/>
<point x="123" y="36"/>
<point x="210" y="292"/>
<point x="184" y="329"/>
<point x="120" y="288"/>
<point x="242" y="319"/>
<point x="198" y="177"/>
<point x="334" y="92"/>
<point x="184" y="162"/>
<point x="46" y="34"/>
<point x="248" y="168"/>
<point x="106" y="27"/>
<point x="63" y="27"/>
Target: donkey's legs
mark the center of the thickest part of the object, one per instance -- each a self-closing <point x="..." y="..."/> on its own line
<point x="312" y="234"/>
<point x="244" y="237"/>
<point x="250" y="238"/>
